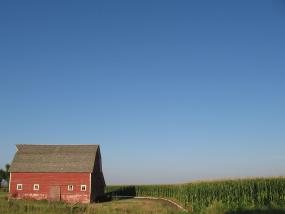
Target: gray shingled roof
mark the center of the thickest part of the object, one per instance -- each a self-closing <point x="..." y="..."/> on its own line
<point x="54" y="158"/>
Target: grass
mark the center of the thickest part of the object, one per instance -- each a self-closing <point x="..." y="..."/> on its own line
<point x="126" y="206"/>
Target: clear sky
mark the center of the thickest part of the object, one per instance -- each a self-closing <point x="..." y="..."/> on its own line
<point x="173" y="91"/>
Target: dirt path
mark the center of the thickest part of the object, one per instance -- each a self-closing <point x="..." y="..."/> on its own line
<point x="155" y="198"/>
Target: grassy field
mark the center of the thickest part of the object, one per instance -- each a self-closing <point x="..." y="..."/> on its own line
<point x="136" y="206"/>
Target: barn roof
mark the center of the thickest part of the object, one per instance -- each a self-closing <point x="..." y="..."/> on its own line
<point x="54" y="158"/>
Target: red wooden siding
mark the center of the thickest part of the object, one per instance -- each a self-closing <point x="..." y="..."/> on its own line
<point x="50" y="182"/>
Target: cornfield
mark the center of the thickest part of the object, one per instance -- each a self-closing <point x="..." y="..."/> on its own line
<point x="234" y="194"/>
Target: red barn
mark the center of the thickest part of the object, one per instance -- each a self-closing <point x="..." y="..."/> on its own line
<point x="72" y="173"/>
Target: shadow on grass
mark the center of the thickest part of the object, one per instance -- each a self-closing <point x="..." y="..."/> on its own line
<point x="119" y="194"/>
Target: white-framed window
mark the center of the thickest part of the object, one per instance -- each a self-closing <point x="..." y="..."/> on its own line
<point x="83" y="188"/>
<point x="70" y="187"/>
<point x="36" y="187"/>
<point x="19" y="186"/>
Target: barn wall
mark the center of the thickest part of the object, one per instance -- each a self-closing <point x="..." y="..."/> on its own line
<point x="97" y="179"/>
<point x="51" y="180"/>
<point x="98" y="186"/>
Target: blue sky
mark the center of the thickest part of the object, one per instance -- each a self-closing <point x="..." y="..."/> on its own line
<point x="173" y="91"/>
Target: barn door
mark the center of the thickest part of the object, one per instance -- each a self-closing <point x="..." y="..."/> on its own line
<point x="54" y="193"/>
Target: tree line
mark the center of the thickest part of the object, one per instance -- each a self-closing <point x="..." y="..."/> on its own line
<point x="4" y="173"/>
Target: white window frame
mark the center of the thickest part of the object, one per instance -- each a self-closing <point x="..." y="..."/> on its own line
<point x="19" y="186"/>
<point x="83" y="186"/>
<point x="36" y="187"/>
<point x="69" y="187"/>
<point x="10" y="181"/>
